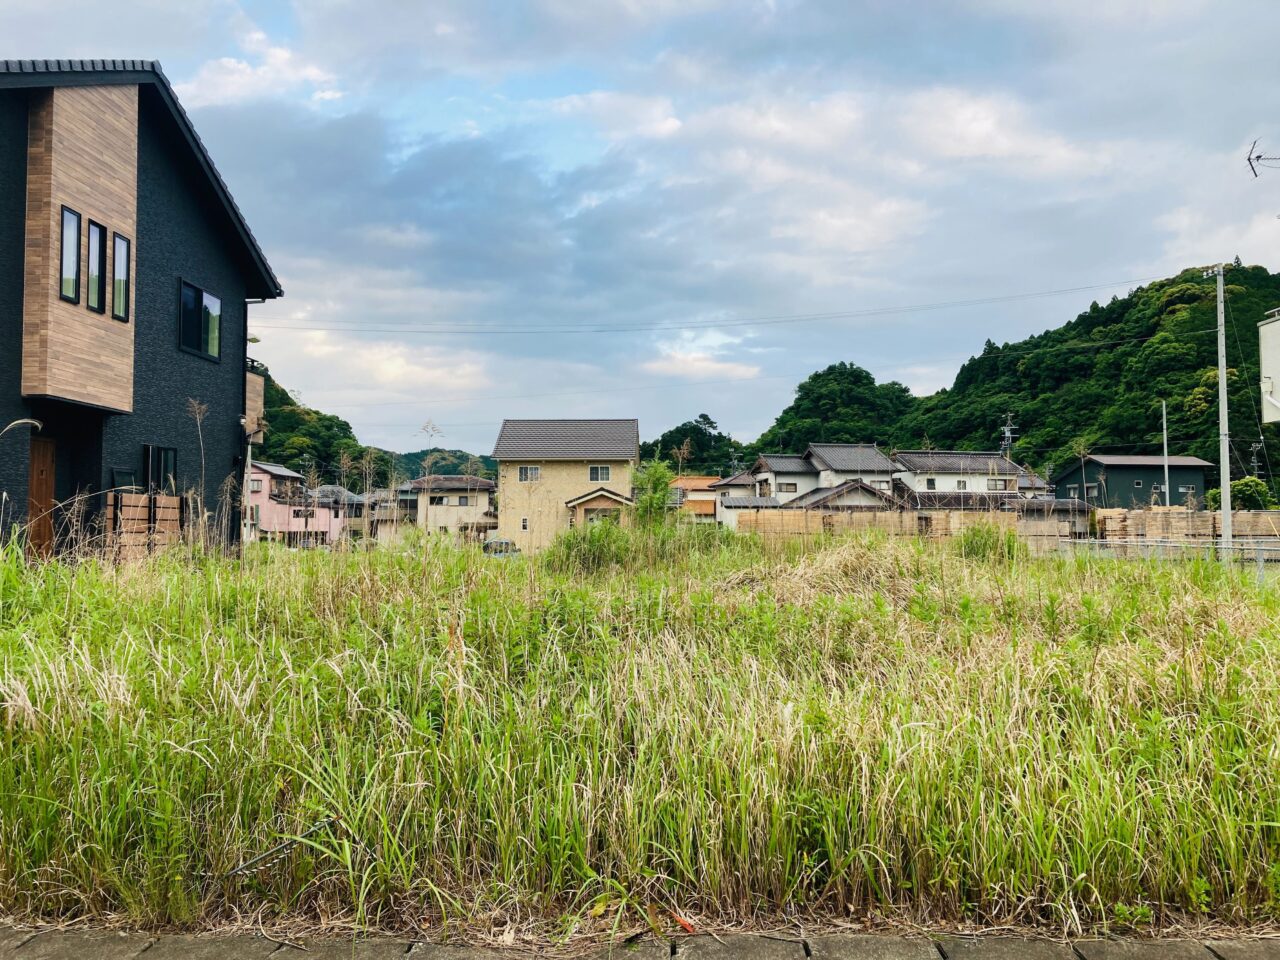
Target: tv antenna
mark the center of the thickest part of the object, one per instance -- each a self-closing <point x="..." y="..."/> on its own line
<point x="1255" y="158"/>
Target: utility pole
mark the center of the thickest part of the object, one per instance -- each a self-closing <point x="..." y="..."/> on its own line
<point x="1164" y="429"/>
<point x="1224" y="434"/>
<point x="1007" y="436"/>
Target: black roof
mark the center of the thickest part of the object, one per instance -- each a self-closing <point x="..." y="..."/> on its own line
<point x="852" y="457"/>
<point x="84" y="73"/>
<point x="989" y="462"/>
<point x="568" y="440"/>
<point x="785" y="463"/>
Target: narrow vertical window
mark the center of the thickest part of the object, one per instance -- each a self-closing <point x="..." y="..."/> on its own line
<point x="69" y="284"/>
<point x="96" y="295"/>
<point x="120" y="293"/>
<point x="200" y="322"/>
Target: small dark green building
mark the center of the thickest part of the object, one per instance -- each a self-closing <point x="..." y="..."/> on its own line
<point x="1128" y="481"/>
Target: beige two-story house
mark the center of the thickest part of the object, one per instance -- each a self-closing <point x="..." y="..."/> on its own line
<point x="557" y="474"/>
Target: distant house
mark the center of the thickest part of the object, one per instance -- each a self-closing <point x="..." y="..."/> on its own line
<point x="458" y="505"/>
<point x="958" y="471"/>
<point x="729" y="509"/>
<point x="783" y="476"/>
<point x="695" y="498"/>
<point x="1128" y="480"/>
<point x="732" y="488"/>
<point x="1031" y="484"/>
<point x="838" y="463"/>
<point x="281" y="509"/>
<point x="556" y="474"/>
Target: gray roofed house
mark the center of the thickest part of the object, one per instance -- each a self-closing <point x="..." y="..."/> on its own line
<point x="783" y="463"/>
<point x="568" y="440"/>
<point x="739" y="503"/>
<point x="442" y="482"/>
<point x="986" y="462"/>
<point x="743" y="479"/>
<point x="851" y="457"/>
<point x="1145" y="460"/>
<point x="276" y="470"/>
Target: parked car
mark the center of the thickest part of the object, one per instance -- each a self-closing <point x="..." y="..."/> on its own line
<point x="500" y="548"/>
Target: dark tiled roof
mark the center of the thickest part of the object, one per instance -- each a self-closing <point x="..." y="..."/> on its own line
<point x="449" y="482"/>
<point x="59" y="73"/>
<point x="852" y="457"/>
<point x="568" y="440"/>
<point x="956" y="461"/>
<point x="785" y="463"/>
<point x="1155" y="460"/>
<point x="734" y="503"/>
<point x="335" y="493"/>
<point x="1028" y="479"/>
<point x="743" y="479"/>
<point x="276" y="470"/>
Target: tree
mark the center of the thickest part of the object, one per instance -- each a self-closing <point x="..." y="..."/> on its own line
<point x="709" y="450"/>
<point x="653" y="494"/>
<point x="682" y="454"/>
<point x="1247" y="493"/>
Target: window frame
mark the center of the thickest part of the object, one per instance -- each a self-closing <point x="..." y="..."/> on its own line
<point x="255" y="484"/>
<point x="62" y="251"/>
<point x="116" y="312"/>
<point x="1137" y="484"/>
<point x="931" y="483"/>
<point x="149" y="451"/>
<point x="600" y="473"/>
<point x="104" y="235"/>
<point x="201" y="292"/>
<point x="962" y="485"/>
<point x="997" y="485"/>
<point x="529" y="473"/>
<point x="789" y="486"/>
<point x="1186" y="488"/>
<point x="524" y="524"/>
<point x="1092" y="489"/>
<point x="464" y="500"/>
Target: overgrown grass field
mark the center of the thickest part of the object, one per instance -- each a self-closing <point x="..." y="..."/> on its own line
<point x="866" y="729"/>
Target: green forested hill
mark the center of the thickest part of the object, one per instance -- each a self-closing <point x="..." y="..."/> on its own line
<point x="1095" y="382"/>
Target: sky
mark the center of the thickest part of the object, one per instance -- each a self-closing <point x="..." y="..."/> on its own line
<point x="661" y="208"/>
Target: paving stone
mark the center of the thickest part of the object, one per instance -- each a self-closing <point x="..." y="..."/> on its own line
<point x="373" y="949"/>
<point x="78" y="945"/>
<point x="870" y="946"/>
<point x="211" y="947"/>
<point x="443" y="951"/>
<point x="1245" y="949"/>
<point x="647" y="949"/>
<point x="1004" y="948"/>
<point x="11" y="939"/>
<point x="739" y="946"/>
<point x="1142" y="950"/>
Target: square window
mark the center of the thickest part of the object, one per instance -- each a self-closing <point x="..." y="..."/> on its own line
<point x="931" y="484"/>
<point x="786" y="488"/>
<point x="96" y="295"/>
<point x="464" y="501"/>
<point x="530" y="474"/>
<point x="1137" y="484"/>
<point x="255" y="486"/>
<point x="883" y="485"/>
<point x="962" y="484"/>
<point x="200" y="321"/>
<point x="120" y="294"/>
<point x="599" y="474"/>
<point x="1090" y="489"/>
<point x="69" y="281"/>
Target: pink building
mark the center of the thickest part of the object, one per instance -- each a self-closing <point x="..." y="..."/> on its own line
<point x="280" y="508"/>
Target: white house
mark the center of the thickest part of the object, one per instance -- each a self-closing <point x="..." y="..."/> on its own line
<point x="783" y="476"/>
<point x="957" y="471"/>
<point x="838" y="463"/>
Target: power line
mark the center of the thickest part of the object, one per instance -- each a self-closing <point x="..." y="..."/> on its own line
<point x="424" y="326"/>
<point x="1074" y="345"/>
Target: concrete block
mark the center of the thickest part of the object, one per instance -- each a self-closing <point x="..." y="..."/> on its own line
<point x="11" y="938"/>
<point x="213" y="947"/>
<point x="739" y="946"/>
<point x="82" y="945"/>
<point x="1142" y="950"/>
<point x="1004" y="948"/>
<point x="1245" y="949"/>
<point x="870" y="946"/>
<point x="377" y="948"/>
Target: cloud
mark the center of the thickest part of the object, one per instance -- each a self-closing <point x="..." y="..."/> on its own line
<point x="695" y="365"/>
<point x="276" y="71"/>
<point x="620" y="114"/>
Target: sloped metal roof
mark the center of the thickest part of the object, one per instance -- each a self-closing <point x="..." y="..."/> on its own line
<point x="821" y="495"/>
<point x="985" y="462"/>
<point x="83" y="73"/>
<point x="736" y="503"/>
<point x="743" y="479"/>
<point x="439" y="481"/>
<point x="276" y="470"/>
<point x="568" y="440"/>
<point x="1145" y="460"/>
<point x="852" y="457"/>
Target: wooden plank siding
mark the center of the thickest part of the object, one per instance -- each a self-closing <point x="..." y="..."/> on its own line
<point x="82" y="152"/>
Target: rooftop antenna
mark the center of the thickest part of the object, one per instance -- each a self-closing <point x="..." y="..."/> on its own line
<point x="1255" y="158"/>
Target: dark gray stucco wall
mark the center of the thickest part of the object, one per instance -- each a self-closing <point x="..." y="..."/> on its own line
<point x="1116" y="484"/>
<point x="13" y="180"/>
<point x="182" y="235"/>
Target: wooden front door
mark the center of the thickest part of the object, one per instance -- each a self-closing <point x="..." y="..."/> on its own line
<point x="40" y="496"/>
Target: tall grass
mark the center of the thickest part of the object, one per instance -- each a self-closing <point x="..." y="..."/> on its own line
<point x="864" y="728"/>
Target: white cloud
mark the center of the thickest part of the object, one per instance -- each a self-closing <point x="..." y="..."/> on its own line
<point x="622" y="115"/>
<point x="698" y="356"/>
<point x="955" y="124"/>
<point x="275" y="71"/>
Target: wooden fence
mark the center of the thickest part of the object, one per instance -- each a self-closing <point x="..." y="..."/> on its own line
<point x="138" y="523"/>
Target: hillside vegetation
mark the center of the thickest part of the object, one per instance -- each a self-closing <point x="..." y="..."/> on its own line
<point x="860" y="730"/>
